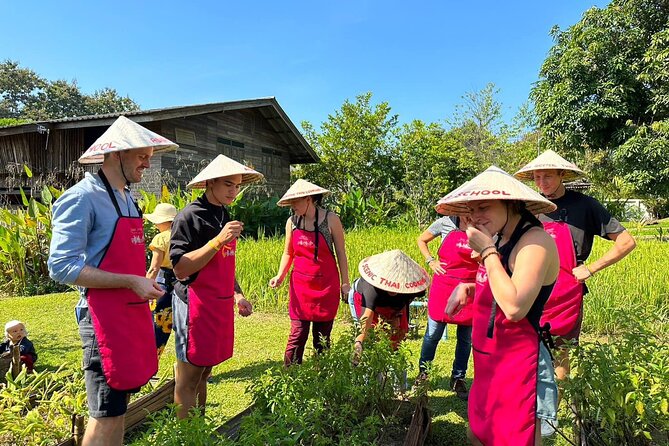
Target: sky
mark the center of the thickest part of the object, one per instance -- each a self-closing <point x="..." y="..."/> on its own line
<point x="421" y="57"/>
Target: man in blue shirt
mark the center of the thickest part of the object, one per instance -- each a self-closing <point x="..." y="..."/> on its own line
<point x="98" y="245"/>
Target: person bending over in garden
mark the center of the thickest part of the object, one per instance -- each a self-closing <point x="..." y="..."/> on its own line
<point x="98" y="244"/>
<point x="313" y="237"/>
<point x="573" y="225"/>
<point x="203" y="249"/>
<point x="388" y="283"/>
<point x="161" y="271"/>
<point x="514" y="384"/>
<point x="16" y="334"/>
<point x="454" y="264"/>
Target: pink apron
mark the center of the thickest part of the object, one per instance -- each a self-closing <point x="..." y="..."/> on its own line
<point x="460" y="267"/>
<point x="122" y="321"/>
<point x="503" y="397"/>
<point x="314" y="282"/>
<point x="397" y="319"/>
<point x="211" y="310"/>
<point x="563" y="308"/>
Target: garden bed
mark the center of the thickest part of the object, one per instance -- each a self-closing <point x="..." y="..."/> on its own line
<point x="412" y="429"/>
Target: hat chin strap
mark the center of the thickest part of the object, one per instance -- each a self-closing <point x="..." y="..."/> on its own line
<point x="210" y="189"/>
<point x="506" y="222"/>
<point x="554" y="193"/>
<point x="127" y="181"/>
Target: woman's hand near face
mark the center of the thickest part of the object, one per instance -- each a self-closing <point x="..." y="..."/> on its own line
<point x="479" y="238"/>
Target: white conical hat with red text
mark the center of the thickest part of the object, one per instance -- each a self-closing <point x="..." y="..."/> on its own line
<point x="493" y="184"/>
<point x="549" y="160"/>
<point x="394" y="271"/>
<point x="125" y="134"/>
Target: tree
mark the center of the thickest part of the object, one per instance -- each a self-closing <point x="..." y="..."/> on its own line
<point x="435" y="161"/>
<point x="108" y="100"/>
<point x="18" y="87"/>
<point x="603" y="95"/>
<point x="26" y="95"/>
<point x="479" y="121"/>
<point x="57" y="99"/>
<point x="357" y="147"/>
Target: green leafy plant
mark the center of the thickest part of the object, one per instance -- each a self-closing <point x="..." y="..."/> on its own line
<point x="37" y="408"/>
<point x="619" y="388"/>
<point x="357" y="209"/>
<point x="328" y="400"/>
<point x="25" y="235"/>
<point x="165" y="429"/>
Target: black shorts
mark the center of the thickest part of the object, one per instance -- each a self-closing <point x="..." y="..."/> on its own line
<point x="103" y="401"/>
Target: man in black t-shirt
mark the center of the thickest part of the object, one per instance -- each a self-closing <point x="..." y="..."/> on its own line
<point x="203" y="249"/>
<point x="585" y="217"/>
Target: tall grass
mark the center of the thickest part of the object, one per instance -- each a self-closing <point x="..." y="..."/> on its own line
<point x="638" y="283"/>
<point x="258" y="261"/>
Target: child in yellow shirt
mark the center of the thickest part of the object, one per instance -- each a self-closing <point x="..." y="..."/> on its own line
<point x="161" y="270"/>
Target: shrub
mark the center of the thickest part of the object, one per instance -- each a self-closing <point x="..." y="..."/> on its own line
<point x="355" y="209"/>
<point x="619" y="388"/>
<point x="327" y="400"/>
<point x="165" y="429"/>
<point x="37" y="408"/>
<point x="25" y="235"/>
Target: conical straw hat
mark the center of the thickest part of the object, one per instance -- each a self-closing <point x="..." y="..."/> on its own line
<point x="492" y="184"/>
<point x="301" y="188"/>
<point x="222" y="166"/>
<point x="394" y="271"/>
<point x="163" y="213"/>
<point x="125" y="134"/>
<point x="549" y="160"/>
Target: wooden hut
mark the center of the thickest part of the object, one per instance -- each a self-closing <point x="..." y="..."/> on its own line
<point x="256" y="132"/>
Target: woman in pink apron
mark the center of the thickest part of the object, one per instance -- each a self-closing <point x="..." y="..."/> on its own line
<point x="203" y="249"/>
<point x="514" y="386"/>
<point x="313" y="237"/>
<point x="388" y="283"/>
<point x="453" y="266"/>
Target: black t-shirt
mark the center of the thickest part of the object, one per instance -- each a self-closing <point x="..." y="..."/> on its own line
<point x="199" y="222"/>
<point x="373" y="297"/>
<point x="586" y="218"/>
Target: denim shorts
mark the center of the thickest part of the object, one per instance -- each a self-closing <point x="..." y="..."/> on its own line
<point x="547" y="392"/>
<point x="180" y="326"/>
<point x="103" y="401"/>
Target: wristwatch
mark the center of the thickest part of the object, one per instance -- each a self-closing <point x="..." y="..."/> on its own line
<point x="429" y="260"/>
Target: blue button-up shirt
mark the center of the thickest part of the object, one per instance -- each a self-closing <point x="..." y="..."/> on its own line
<point x="84" y="219"/>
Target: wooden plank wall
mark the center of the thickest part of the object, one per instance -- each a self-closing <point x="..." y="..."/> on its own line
<point x="55" y="163"/>
<point x="262" y="148"/>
